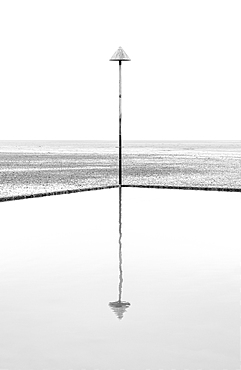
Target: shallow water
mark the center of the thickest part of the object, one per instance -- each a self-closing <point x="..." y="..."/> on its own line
<point x="60" y="269"/>
<point x="28" y="167"/>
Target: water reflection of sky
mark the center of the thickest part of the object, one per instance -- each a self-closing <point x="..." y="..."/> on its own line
<point x="59" y="269"/>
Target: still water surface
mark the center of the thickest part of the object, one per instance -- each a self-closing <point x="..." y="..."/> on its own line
<point x="178" y="268"/>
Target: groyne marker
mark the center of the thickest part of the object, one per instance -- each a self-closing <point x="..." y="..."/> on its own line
<point x="120" y="56"/>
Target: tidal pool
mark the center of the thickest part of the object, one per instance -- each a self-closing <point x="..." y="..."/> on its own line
<point x="149" y="281"/>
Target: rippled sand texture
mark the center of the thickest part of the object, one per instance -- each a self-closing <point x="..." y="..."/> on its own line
<point x="29" y="167"/>
<point x="36" y="167"/>
<point x="190" y="163"/>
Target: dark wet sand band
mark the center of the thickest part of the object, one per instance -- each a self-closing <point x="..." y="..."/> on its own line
<point x="183" y="187"/>
<point x="60" y="192"/>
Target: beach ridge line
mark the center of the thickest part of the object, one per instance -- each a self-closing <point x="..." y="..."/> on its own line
<point x="205" y="188"/>
<point x="79" y="190"/>
<point x="57" y="192"/>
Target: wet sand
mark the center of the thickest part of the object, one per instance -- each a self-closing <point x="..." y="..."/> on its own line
<point x="30" y="168"/>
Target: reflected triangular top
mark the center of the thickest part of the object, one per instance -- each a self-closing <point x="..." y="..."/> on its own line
<point x="119" y="308"/>
<point x="120" y="54"/>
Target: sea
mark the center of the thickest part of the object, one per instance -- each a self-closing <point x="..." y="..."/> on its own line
<point x="31" y="167"/>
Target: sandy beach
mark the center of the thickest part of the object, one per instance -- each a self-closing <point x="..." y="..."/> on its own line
<point x="31" y="167"/>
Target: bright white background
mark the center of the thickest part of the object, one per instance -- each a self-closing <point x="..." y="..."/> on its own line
<point x="184" y="80"/>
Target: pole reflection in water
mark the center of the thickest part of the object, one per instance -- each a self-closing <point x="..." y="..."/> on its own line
<point x="119" y="307"/>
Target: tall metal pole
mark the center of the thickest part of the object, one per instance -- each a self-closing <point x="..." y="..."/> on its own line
<point x="120" y="56"/>
<point x="120" y="138"/>
<point x="119" y="307"/>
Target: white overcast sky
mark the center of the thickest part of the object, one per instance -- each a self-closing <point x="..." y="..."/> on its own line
<point x="183" y="81"/>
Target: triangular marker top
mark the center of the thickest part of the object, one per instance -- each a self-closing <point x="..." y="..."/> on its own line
<point x="121" y="55"/>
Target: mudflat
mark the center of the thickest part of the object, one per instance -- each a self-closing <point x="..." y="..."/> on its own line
<point x="29" y="167"/>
